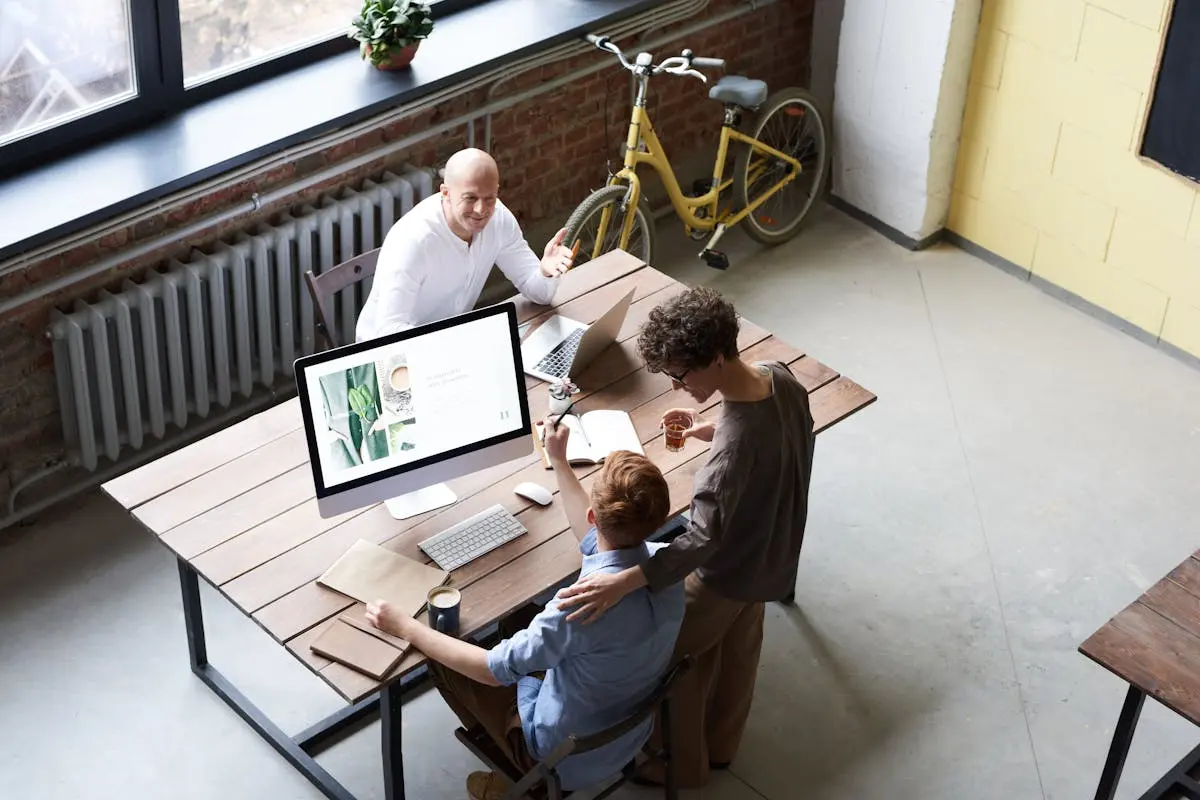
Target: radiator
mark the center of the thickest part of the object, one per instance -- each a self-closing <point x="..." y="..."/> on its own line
<point x="209" y="334"/>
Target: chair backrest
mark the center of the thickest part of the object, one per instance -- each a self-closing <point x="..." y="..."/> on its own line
<point x="324" y="287"/>
<point x="574" y="745"/>
<point x="641" y="713"/>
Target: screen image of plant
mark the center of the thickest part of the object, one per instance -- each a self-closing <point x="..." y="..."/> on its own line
<point x="354" y="413"/>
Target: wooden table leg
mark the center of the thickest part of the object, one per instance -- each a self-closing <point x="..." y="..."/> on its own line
<point x="390" y="735"/>
<point x="1119" y="749"/>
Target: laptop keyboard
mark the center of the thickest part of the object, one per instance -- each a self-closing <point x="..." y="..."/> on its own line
<point x="558" y="361"/>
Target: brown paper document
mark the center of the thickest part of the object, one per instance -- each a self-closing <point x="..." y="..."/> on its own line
<point x="368" y="572"/>
<point x="357" y="649"/>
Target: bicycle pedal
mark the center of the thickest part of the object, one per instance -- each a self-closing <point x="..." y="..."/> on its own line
<point x="715" y="258"/>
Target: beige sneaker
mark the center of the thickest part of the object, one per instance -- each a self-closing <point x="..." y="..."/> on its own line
<point x="486" y="786"/>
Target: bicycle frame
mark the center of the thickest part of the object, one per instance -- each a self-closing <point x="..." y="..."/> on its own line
<point x="642" y="147"/>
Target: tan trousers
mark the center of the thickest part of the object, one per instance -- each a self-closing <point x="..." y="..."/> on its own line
<point x="492" y="707"/>
<point x="711" y="703"/>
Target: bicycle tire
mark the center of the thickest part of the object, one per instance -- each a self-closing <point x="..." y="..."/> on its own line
<point x="769" y="224"/>
<point x="641" y="238"/>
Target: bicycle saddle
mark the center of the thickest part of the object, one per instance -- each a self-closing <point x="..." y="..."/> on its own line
<point x="744" y="92"/>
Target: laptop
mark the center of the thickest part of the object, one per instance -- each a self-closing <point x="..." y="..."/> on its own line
<point x="563" y="346"/>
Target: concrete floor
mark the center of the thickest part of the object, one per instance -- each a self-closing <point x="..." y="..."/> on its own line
<point x="1026" y="472"/>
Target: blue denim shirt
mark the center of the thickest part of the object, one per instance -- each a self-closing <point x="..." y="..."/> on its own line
<point x="595" y="674"/>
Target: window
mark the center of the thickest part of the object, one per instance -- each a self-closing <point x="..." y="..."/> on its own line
<point x="73" y="74"/>
<point x="220" y="36"/>
<point x="56" y="67"/>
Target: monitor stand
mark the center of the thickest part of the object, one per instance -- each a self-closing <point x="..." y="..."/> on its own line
<point x="420" y="501"/>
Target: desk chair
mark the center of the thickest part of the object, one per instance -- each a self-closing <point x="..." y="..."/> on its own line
<point x="487" y="751"/>
<point x="324" y="288"/>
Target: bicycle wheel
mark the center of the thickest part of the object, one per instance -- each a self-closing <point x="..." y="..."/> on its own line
<point x="791" y="123"/>
<point x="585" y="222"/>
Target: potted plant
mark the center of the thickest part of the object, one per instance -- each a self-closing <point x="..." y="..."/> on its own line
<point x="389" y="31"/>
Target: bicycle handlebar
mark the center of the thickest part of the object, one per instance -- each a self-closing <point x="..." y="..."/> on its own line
<point x="676" y="65"/>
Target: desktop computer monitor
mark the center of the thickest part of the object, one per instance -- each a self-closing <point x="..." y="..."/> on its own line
<point x="390" y="419"/>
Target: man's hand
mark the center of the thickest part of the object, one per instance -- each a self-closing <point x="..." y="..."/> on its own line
<point x="387" y="618"/>
<point x="694" y="426"/>
<point x="557" y="257"/>
<point x="556" y="440"/>
<point x="596" y="594"/>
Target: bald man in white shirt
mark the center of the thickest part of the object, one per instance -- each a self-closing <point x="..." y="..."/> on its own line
<point x="435" y="259"/>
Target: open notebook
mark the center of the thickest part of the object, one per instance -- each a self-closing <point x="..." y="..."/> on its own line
<point x="595" y="434"/>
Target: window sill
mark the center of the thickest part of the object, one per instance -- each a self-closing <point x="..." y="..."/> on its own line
<point x="73" y="193"/>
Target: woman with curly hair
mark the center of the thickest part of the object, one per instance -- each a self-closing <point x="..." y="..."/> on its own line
<point x="748" y="511"/>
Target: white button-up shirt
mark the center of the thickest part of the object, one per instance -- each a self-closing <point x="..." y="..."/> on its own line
<point x="426" y="273"/>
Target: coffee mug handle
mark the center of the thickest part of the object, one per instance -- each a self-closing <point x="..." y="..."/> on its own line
<point x="439" y="623"/>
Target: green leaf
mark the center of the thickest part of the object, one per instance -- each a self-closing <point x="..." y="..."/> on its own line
<point x="377" y="444"/>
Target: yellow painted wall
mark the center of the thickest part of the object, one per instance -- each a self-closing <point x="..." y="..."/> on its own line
<point x="1047" y="175"/>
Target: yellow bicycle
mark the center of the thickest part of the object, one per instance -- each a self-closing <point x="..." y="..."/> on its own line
<point x="778" y="168"/>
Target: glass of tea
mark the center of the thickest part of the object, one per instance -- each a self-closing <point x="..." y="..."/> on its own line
<point x="674" y="435"/>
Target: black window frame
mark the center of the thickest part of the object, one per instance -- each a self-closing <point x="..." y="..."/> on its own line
<point x="157" y="49"/>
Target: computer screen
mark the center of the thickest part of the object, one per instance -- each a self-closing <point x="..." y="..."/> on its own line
<point x="403" y="412"/>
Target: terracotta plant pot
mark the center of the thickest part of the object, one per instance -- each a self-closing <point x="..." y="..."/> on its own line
<point x="397" y="60"/>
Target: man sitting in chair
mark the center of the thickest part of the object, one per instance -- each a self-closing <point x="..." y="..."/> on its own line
<point x="595" y="675"/>
<point x="435" y="259"/>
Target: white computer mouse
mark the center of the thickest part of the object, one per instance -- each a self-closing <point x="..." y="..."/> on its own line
<point x="535" y="492"/>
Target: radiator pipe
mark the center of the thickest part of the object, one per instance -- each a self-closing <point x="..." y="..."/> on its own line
<point x="44" y="472"/>
<point x="267" y="199"/>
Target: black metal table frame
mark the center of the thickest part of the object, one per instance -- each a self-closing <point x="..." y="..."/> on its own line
<point x="301" y="750"/>
<point x="1178" y="780"/>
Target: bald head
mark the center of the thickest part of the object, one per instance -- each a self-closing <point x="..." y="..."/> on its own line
<point x="469" y="189"/>
<point x="471" y="165"/>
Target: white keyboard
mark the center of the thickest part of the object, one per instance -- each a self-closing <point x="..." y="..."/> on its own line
<point x="471" y="538"/>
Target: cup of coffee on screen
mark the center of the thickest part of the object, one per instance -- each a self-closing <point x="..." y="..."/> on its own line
<point x="399" y="379"/>
<point x="444" y="604"/>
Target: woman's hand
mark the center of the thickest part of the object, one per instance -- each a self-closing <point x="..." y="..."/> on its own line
<point x="694" y="426"/>
<point x="594" y="595"/>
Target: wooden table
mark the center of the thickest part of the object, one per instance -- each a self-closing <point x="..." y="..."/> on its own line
<point x="238" y="510"/>
<point x="1154" y="646"/>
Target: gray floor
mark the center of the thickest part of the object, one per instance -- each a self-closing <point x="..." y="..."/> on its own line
<point x="1026" y="473"/>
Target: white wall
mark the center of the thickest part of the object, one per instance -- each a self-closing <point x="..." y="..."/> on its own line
<point x="827" y="24"/>
<point x="903" y="68"/>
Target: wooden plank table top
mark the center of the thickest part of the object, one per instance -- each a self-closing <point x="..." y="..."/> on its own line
<point x="1153" y="644"/>
<point x="239" y="505"/>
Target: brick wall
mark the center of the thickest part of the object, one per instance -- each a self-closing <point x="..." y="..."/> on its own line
<point x="1048" y="171"/>
<point x="551" y="151"/>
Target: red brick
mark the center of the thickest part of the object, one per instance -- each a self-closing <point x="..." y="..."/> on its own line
<point x="117" y="238"/>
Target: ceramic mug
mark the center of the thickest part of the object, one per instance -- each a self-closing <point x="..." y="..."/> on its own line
<point x="444" y="604"/>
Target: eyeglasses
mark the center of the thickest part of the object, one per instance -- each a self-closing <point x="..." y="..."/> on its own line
<point x="678" y="378"/>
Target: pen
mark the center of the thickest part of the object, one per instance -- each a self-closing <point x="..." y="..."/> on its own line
<point x="574" y="252"/>
<point x="560" y="416"/>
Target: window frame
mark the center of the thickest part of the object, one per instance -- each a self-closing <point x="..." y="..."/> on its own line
<point x="156" y="48"/>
